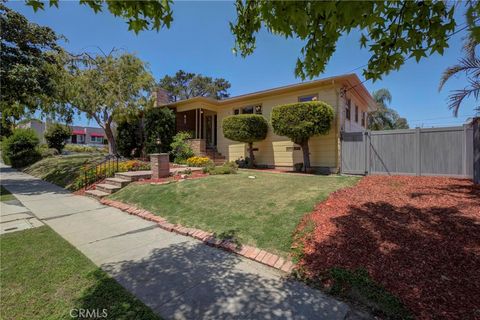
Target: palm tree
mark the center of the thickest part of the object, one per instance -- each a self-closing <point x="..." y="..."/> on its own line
<point x="470" y="66"/>
<point x="385" y="118"/>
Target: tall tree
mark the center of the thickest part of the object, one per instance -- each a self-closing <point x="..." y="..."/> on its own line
<point x="109" y="86"/>
<point x="185" y="85"/>
<point x="469" y="65"/>
<point x="385" y="118"/>
<point x="28" y="66"/>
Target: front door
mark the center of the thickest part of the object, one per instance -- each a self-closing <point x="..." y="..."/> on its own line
<point x="210" y="130"/>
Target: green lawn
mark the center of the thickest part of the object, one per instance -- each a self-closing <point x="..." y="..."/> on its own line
<point x="44" y="277"/>
<point x="262" y="212"/>
<point x="5" y="195"/>
<point x="61" y="170"/>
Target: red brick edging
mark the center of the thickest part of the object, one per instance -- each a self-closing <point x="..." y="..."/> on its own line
<point x="208" y="238"/>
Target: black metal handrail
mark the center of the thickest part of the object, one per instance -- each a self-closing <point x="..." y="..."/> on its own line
<point x="104" y="169"/>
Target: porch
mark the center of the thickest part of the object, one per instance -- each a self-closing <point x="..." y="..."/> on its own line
<point x="201" y="123"/>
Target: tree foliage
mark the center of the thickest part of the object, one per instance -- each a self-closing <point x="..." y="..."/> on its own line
<point x="129" y="137"/>
<point x="181" y="150"/>
<point x="185" y="85"/>
<point x="301" y="121"/>
<point x="20" y="149"/>
<point x="385" y="118"/>
<point x="140" y="15"/>
<point x="56" y="135"/>
<point x="110" y="86"/>
<point x="28" y="66"/>
<point x="469" y="65"/>
<point x="392" y="31"/>
<point x="159" y="123"/>
<point x="246" y="128"/>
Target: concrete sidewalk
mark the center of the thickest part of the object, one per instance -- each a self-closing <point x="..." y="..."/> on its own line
<point x="178" y="277"/>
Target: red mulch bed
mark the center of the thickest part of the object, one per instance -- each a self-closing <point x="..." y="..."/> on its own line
<point x="417" y="236"/>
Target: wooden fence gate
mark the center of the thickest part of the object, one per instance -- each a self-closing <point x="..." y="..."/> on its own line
<point x="432" y="151"/>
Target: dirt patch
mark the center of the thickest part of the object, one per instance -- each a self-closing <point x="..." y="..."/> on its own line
<point x="419" y="237"/>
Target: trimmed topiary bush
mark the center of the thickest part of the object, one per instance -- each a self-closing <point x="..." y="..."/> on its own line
<point x="21" y="148"/>
<point x="57" y="135"/>
<point x="246" y="128"/>
<point x="301" y="121"/>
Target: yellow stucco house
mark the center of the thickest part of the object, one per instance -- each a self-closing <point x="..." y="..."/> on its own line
<point x="204" y="116"/>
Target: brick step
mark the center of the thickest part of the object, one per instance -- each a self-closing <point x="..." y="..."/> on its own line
<point x="107" y="188"/>
<point x="96" y="194"/>
<point x="134" y="175"/>
<point x="119" y="182"/>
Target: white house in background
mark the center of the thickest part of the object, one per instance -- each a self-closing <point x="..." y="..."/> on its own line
<point x="80" y="135"/>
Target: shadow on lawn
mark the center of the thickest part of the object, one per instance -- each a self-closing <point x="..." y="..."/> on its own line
<point x="429" y="257"/>
<point x="194" y="281"/>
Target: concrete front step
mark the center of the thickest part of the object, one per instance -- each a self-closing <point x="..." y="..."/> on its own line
<point x="107" y="188"/>
<point x="119" y="182"/>
<point x="134" y="175"/>
<point x="96" y="194"/>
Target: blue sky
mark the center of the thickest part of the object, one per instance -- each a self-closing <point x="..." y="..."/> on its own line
<point x="200" y="41"/>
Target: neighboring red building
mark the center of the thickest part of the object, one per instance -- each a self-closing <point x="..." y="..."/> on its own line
<point x="87" y="135"/>
<point x="80" y="135"/>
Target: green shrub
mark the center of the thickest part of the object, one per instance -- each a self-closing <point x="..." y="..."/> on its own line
<point x="85" y="149"/>
<point x="20" y="149"/>
<point x="130" y="138"/>
<point x="246" y="128"/>
<point x="159" y="123"/>
<point x="243" y="162"/>
<point x="181" y="150"/>
<point x="46" y="152"/>
<point x="57" y="135"/>
<point x="227" y="168"/>
<point x="301" y="121"/>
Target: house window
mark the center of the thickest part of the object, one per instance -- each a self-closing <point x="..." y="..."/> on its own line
<point x="348" y="109"/>
<point x="364" y="119"/>
<point x="81" y="138"/>
<point x="312" y="97"/>
<point x="96" y="139"/>
<point x="257" y="109"/>
<point x="247" y="110"/>
<point x="356" y="114"/>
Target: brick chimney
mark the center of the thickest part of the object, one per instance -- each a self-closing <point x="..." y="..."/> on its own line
<point x="162" y="97"/>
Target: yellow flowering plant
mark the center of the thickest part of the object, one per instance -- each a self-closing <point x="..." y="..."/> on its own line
<point x="198" y="161"/>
